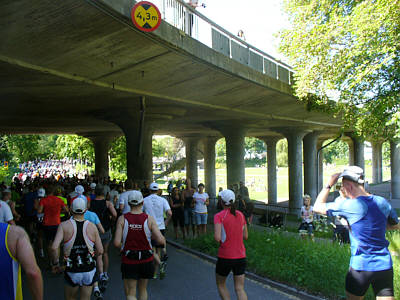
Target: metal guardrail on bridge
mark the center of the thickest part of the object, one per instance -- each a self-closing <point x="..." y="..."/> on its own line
<point x="184" y="17"/>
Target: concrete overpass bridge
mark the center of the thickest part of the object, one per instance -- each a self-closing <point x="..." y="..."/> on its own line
<point x="82" y="67"/>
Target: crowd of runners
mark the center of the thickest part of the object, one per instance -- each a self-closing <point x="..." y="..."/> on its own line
<point x="71" y="222"/>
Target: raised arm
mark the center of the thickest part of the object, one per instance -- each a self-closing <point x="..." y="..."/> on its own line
<point x="320" y="203"/>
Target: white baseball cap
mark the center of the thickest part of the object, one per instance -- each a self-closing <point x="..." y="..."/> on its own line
<point x="79" y="204"/>
<point x="41" y="192"/>
<point x="135" y="197"/>
<point x="93" y="185"/>
<point x="154" y="186"/>
<point x="227" y="196"/>
<point x="353" y="173"/>
<point x="79" y="189"/>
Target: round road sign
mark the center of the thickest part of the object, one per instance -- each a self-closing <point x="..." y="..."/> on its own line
<point x="146" y="16"/>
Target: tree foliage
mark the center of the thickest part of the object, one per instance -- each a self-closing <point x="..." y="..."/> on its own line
<point x="347" y="51"/>
<point x="74" y="146"/>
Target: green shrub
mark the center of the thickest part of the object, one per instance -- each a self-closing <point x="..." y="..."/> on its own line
<point x="317" y="267"/>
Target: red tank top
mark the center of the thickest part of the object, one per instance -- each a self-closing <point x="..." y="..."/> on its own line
<point x="136" y="236"/>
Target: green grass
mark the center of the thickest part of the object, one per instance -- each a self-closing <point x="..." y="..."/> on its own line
<point x="256" y="179"/>
<point x="317" y="267"/>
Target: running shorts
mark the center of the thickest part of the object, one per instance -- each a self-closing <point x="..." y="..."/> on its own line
<point x="50" y="232"/>
<point x="358" y="282"/>
<point x="137" y="271"/>
<point x="225" y="266"/>
<point x="106" y="237"/>
<point x="81" y="278"/>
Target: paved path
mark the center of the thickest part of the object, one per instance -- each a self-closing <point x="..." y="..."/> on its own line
<point x="188" y="278"/>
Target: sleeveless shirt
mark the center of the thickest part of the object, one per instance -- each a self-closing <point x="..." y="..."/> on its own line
<point x="136" y="236"/>
<point x="10" y="269"/>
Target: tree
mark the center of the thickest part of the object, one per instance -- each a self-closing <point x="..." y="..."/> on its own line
<point x="74" y="146"/>
<point x="282" y="153"/>
<point x="347" y="51"/>
<point x="337" y="150"/>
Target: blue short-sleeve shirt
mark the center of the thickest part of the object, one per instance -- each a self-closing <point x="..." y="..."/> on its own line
<point x="91" y="217"/>
<point x="367" y="217"/>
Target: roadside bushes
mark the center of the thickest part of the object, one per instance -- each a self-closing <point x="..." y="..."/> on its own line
<point x="317" y="267"/>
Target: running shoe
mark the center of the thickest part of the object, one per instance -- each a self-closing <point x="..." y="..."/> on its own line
<point x="97" y="294"/>
<point x="163" y="266"/>
<point x="103" y="282"/>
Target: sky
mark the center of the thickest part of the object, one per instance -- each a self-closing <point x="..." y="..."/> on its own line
<point x="259" y="20"/>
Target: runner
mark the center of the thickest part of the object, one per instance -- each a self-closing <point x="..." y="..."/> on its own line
<point x="79" y="237"/>
<point x="156" y="206"/>
<point x="16" y="251"/>
<point x="105" y="211"/>
<point x="6" y="215"/>
<point x="229" y="231"/>
<point x="133" y="233"/>
<point x="368" y="217"/>
<point x="51" y="206"/>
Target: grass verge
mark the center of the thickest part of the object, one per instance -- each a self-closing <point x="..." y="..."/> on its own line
<point x="318" y="268"/>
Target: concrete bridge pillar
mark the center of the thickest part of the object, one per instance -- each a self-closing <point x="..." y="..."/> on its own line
<point x="209" y="166"/>
<point x="320" y="162"/>
<point x="376" y="161"/>
<point x="295" y="156"/>
<point x="395" y="168"/>
<point x="101" y="146"/>
<point x="356" y="151"/>
<point x="191" y="148"/>
<point x="235" y="168"/>
<point x="271" y="142"/>
<point x="310" y="164"/>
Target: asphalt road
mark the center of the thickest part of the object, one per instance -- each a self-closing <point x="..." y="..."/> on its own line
<point x="188" y="278"/>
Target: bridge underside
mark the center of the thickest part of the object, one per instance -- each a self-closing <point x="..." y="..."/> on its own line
<point x="71" y="67"/>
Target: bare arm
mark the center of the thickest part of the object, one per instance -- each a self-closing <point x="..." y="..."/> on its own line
<point x="217" y="232"/>
<point x="320" y="203"/>
<point x="55" y="247"/>
<point x="245" y="232"/>
<point x="100" y="228"/>
<point x="24" y="254"/>
<point x="155" y="232"/>
<point x="98" y="246"/>
<point x="112" y="209"/>
<point x="169" y="215"/>
<point x="118" y="232"/>
<point x="393" y="227"/>
<point x="40" y="209"/>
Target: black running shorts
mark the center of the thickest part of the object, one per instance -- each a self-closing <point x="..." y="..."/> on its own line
<point x="358" y="282"/>
<point x="225" y="266"/>
<point x="138" y="271"/>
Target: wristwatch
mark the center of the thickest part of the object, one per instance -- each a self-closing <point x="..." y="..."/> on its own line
<point x="328" y="186"/>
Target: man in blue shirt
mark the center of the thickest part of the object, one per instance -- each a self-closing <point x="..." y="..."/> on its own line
<point x="368" y="217"/>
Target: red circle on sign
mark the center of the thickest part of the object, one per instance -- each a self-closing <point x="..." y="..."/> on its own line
<point x="134" y="20"/>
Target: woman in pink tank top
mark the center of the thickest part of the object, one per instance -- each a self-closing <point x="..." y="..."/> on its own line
<point x="229" y="231"/>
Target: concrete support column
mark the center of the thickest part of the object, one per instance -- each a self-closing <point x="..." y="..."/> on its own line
<point x="101" y="142"/>
<point x="139" y="154"/>
<point x="295" y="156"/>
<point x="320" y="165"/>
<point x="271" y="166"/>
<point x="310" y="165"/>
<point x="356" y="151"/>
<point x="376" y="161"/>
<point x="395" y="168"/>
<point x="235" y="168"/>
<point x="191" y="148"/>
<point x="209" y="166"/>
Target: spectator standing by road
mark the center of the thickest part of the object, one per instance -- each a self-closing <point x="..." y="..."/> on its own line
<point x="229" y="231"/>
<point x="188" y="204"/>
<point x="307" y="217"/>
<point x="176" y="203"/>
<point x="201" y="200"/>
<point x="368" y="216"/>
